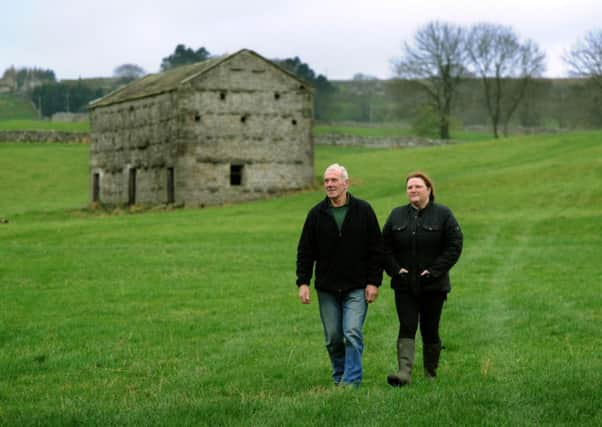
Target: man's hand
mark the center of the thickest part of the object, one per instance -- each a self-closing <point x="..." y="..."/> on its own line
<point x="371" y="293"/>
<point x="304" y="294"/>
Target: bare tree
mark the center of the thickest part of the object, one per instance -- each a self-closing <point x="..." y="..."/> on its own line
<point x="506" y="66"/>
<point x="585" y="57"/>
<point x="437" y="62"/>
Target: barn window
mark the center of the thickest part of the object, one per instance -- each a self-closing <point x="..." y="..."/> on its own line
<point x="276" y="96"/>
<point x="243" y="119"/>
<point x="236" y="172"/>
<point x="294" y="122"/>
<point x="132" y="187"/>
<point x="171" y="186"/>
<point x="197" y="117"/>
<point x="222" y="96"/>
<point x="96" y="187"/>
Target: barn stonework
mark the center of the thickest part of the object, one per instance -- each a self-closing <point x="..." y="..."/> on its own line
<point x="232" y="128"/>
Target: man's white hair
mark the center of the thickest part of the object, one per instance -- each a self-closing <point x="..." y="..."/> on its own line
<point x="335" y="167"/>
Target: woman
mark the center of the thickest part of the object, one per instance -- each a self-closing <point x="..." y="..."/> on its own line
<point x="422" y="242"/>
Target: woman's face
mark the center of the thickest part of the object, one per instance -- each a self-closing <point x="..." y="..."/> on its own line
<point x="418" y="192"/>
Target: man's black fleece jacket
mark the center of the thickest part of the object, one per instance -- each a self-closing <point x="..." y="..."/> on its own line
<point x="345" y="260"/>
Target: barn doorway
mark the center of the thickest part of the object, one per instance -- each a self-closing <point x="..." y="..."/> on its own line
<point x="96" y="187"/>
<point x="171" y="186"/>
<point x="132" y="187"/>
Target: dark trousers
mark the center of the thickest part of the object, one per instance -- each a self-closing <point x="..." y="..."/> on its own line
<point x="424" y="309"/>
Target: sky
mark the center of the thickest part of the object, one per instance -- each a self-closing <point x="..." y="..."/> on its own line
<point x="337" y="38"/>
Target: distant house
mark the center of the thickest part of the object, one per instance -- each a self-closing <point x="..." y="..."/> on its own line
<point x="8" y="82"/>
<point x="232" y="128"/>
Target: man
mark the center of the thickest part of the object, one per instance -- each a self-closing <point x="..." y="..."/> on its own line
<point x="342" y="237"/>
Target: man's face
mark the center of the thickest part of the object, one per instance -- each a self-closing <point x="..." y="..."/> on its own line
<point x="334" y="185"/>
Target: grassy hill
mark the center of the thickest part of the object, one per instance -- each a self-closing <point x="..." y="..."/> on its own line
<point x="190" y="317"/>
<point x="13" y="107"/>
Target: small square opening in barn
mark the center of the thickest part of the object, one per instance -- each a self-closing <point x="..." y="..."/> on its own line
<point x="236" y="172"/>
<point x="171" y="187"/>
<point x="96" y="187"/>
<point x="132" y="187"/>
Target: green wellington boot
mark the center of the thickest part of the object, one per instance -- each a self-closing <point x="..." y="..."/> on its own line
<point x="405" y="356"/>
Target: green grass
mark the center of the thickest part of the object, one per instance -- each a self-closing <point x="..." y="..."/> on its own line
<point x="190" y="317"/>
<point x="11" y="125"/>
<point x="16" y="108"/>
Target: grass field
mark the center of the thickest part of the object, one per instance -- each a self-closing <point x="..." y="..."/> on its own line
<point x="190" y="316"/>
<point x="44" y="125"/>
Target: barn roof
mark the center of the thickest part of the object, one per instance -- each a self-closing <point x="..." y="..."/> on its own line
<point x="167" y="81"/>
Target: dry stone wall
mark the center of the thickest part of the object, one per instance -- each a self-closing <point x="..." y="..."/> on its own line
<point x="377" y="142"/>
<point x="44" y="136"/>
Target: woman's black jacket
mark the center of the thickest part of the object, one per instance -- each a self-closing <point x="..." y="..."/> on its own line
<point x="417" y="240"/>
<point x="345" y="260"/>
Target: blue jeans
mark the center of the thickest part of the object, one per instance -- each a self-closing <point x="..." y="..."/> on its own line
<point x="343" y="315"/>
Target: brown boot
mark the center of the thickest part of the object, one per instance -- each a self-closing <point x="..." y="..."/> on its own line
<point x="430" y="353"/>
<point x="405" y="356"/>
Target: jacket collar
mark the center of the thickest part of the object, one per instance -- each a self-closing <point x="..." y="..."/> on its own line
<point x="325" y="204"/>
<point x="412" y="209"/>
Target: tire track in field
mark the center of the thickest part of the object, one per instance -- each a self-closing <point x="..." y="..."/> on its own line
<point x="498" y="338"/>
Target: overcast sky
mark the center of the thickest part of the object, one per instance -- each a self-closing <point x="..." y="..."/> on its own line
<point x="337" y="38"/>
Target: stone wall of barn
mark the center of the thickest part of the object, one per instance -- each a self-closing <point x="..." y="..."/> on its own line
<point x="249" y="115"/>
<point x="133" y="138"/>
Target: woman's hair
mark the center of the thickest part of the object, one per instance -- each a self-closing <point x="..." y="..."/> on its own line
<point x="427" y="181"/>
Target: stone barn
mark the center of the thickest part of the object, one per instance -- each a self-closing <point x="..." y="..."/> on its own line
<point x="233" y="128"/>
